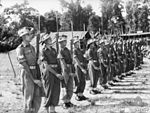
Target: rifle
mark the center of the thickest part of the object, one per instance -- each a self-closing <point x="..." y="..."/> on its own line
<point x="57" y="45"/>
<point x="109" y="69"/>
<point x="71" y="43"/>
<point x="38" y="39"/>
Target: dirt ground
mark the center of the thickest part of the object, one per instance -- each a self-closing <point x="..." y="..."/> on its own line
<point x="131" y="95"/>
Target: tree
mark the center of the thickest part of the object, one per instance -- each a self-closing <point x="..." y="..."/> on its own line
<point x="87" y="13"/>
<point x="15" y="18"/>
<point x="112" y="18"/>
<point x="132" y="16"/>
<point x="75" y="13"/>
<point x="137" y="15"/>
<point x="65" y="22"/>
<point x="21" y="15"/>
<point x="52" y="21"/>
<point x="94" y="23"/>
<point x="143" y="24"/>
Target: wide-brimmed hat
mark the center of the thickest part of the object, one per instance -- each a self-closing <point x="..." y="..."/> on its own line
<point x="25" y="30"/>
<point x="62" y="38"/>
<point x="45" y="37"/>
<point x="76" y="39"/>
<point x="101" y="42"/>
<point x="90" y="41"/>
<point x="107" y="42"/>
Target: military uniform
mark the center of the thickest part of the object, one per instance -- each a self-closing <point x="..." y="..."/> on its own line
<point x="115" y="60"/>
<point x="93" y="63"/>
<point x="131" y="56"/>
<point x="80" y="75"/>
<point x="138" y="54"/>
<point x="32" y="98"/>
<point x="124" y="57"/>
<point x="128" y="57"/>
<point x="68" y="79"/>
<point x="119" y="56"/>
<point x="103" y="60"/>
<point x="67" y="70"/>
<point x="135" y="48"/>
<point x="111" y="59"/>
<point x="30" y="73"/>
<point x="50" y="81"/>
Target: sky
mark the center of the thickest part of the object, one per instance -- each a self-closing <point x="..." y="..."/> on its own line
<point x="47" y="5"/>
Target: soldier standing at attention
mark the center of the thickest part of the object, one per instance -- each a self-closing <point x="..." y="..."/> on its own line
<point x="116" y="72"/>
<point x="100" y="52"/>
<point x="93" y="66"/>
<point x="106" y="65"/>
<point x="50" y="74"/>
<point x="27" y="59"/>
<point x="135" y="48"/>
<point x="80" y="69"/>
<point x="66" y="62"/>
<point x="124" y="55"/>
<point x="112" y="63"/>
<point x="119" y="56"/>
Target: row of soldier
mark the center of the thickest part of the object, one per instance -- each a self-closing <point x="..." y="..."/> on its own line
<point x="104" y="62"/>
<point x="114" y="58"/>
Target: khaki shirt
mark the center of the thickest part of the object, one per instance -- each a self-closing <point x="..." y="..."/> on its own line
<point x="26" y="53"/>
<point x="66" y="55"/>
<point x="79" y="54"/>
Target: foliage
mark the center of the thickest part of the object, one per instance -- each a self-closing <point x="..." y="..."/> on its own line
<point x="112" y="18"/>
<point x="87" y="13"/>
<point x="14" y="18"/>
<point x="76" y="13"/>
<point x="52" y="21"/>
<point x="94" y="23"/>
<point x="18" y="16"/>
<point x="111" y="21"/>
<point x="137" y="15"/>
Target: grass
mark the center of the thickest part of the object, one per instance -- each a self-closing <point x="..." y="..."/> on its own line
<point x="119" y="101"/>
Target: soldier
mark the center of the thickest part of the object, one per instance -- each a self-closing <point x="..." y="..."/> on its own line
<point x="112" y="63"/>
<point x="80" y="69"/>
<point x="93" y="66"/>
<point x="50" y="74"/>
<point x="130" y="52"/>
<point x="141" y="44"/>
<point x="135" y="49"/>
<point x="116" y="72"/>
<point x="138" y="54"/>
<point x="124" y="55"/>
<point x="120" y="58"/>
<point x="106" y="64"/>
<point x="128" y="55"/>
<point x="66" y="62"/>
<point x="103" y="66"/>
<point x="30" y="80"/>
